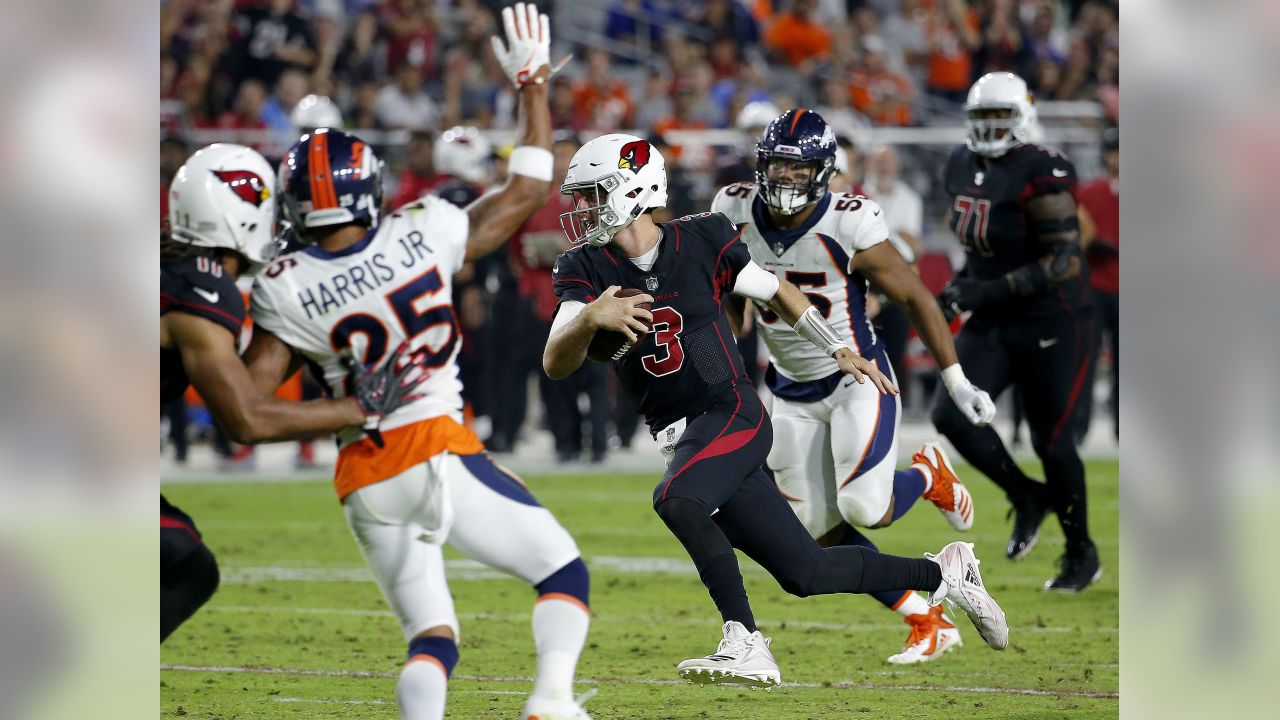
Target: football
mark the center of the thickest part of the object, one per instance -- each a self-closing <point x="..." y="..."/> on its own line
<point x="610" y="345"/>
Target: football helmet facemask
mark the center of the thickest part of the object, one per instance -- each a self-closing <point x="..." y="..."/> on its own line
<point x="795" y="159"/>
<point x="612" y="179"/>
<point x="1000" y="114"/>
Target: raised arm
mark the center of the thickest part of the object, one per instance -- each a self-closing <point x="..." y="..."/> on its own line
<point x="496" y="215"/>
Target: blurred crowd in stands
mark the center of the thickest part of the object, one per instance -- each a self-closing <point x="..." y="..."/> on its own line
<point x="655" y="67"/>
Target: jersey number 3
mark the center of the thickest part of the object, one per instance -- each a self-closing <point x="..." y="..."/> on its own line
<point x="973" y="213"/>
<point x="667" y="324"/>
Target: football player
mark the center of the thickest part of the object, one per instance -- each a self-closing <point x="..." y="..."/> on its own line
<point x="221" y="219"/>
<point x="367" y="283"/>
<point x="1013" y="208"/>
<point x="716" y="494"/>
<point x="837" y="448"/>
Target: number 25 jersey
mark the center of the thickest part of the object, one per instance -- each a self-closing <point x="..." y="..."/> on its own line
<point x="393" y="285"/>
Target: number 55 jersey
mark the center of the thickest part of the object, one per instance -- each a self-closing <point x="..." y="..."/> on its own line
<point x="395" y="284"/>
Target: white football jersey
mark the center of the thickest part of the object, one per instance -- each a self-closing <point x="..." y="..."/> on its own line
<point x="814" y="257"/>
<point x="396" y="284"/>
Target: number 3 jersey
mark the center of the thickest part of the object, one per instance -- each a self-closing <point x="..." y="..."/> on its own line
<point x="814" y="257"/>
<point x="678" y="369"/>
<point x="395" y="284"/>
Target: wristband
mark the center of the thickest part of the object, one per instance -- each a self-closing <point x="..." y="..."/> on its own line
<point x="953" y="377"/>
<point x="531" y="161"/>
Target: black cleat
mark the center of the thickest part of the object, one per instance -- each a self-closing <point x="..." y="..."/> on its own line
<point x="1028" y="512"/>
<point x="1079" y="569"/>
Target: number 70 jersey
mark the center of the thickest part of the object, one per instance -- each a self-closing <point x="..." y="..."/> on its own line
<point x="395" y="284"/>
<point x="815" y="258"/>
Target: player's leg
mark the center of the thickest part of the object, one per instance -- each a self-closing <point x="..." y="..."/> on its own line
<point x="1053" y="380"/>
<point x="932" y="631"/>
<point x="987" y="362"/>
<point x="758" y="522"/>
<point x="498" y="522"/>
<point x="800" y="462"/>
<point x="384" y="519"/>
<point x="870" y="491"/>
<point x="188" y="570"/>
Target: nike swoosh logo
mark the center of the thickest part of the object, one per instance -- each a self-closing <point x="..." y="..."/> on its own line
<point x="593" y="164"/>
<point x="212" y="297"/>
<point x="877" y="212"/>
<point x="1048" y="343"/>
<point x="851" y="382"/>
<point x="1059" y="172"/>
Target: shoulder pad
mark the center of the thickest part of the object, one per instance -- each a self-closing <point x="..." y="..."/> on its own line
<point x="860" y="221"/>
<point x="735" y="201"/>
<point x="199" y="286"/>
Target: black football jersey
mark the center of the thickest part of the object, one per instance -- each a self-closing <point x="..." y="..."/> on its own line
<point x="690" y="357"/>
<point x="988" y="214"/>
<point x="197" y="286"/>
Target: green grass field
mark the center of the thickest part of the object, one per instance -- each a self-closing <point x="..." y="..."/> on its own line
<point x="298" y="630"/>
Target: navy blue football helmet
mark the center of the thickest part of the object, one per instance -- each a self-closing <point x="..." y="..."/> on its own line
<point x="329" y="177"/>
<point x="795" y="158"/>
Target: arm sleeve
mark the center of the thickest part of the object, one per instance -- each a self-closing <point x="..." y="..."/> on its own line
<point x="568" y="310"/>
<point x="756" y="283"/>
<point x="732" y="254"/>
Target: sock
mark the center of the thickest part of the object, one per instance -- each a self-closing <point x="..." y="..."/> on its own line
<point x="712" y="554"/>
<point x="561" y="617"/>
<point x="911" y="603"/>
<point x="420" y="692"/>
<point x="854" y="537"/>
<point x="908" y="486"/>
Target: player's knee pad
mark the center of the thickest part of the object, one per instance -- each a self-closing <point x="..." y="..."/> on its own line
<point x="679" y="512"/>
<point x="797" y="579"/>
<point x="865" y="500"/>
<point x="571" y="580"/>
<point x="441" y="650"/>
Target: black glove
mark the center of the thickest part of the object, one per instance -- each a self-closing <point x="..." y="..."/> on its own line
<point x="379" y="392"/>
<point x="964" y="294"/>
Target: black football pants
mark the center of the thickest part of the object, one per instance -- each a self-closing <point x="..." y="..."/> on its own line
<point x="717" y="496"/>
<point x="188" y="570"/>
<point x="1048" y="361"/>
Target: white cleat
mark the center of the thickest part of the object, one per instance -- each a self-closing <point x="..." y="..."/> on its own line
<point x="742" y="658"/>
<point x="946" y="492"/>
<point x="542" y="708"/>
<point x="932" y="635"/>
<point x="962" y="588"/>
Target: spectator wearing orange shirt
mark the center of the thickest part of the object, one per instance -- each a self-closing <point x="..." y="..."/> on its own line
<point x="601" y="98"/>
<point x="876" y="90"/>
<point x="953" y="37"/>
<point x="796" y="39"/>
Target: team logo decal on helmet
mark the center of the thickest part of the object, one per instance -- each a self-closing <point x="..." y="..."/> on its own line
<point x="247" y="186"/>
<point x="634" y="155"/>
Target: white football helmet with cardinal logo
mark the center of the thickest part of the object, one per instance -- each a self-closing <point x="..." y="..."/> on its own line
<point x="223" y="196"/>
<point x="995" y="136"/>
<point x="613" y="179"/>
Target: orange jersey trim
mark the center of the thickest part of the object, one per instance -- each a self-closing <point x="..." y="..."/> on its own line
<point x="362" y="464"/>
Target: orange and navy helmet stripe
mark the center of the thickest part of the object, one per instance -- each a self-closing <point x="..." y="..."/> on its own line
<point x="322" y="193"/>
<point x="795" y="119"/>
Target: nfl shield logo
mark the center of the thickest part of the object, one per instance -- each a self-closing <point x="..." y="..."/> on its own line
<point x="778" y="249"/>
<point x="651" y="283"/>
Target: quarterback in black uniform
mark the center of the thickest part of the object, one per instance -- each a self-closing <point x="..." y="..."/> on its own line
<point x="691" y="388"/>
<point x="221" y="217"/>
<point x="1025" y="283"/>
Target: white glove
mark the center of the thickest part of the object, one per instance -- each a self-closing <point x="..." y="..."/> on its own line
<point x="975" y="403"/>
<point x="528" y="46"/>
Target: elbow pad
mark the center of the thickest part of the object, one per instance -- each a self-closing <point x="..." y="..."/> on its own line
<point x="813" y="327"/>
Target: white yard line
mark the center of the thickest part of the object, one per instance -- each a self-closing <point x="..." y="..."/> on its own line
<point x="842" y="685"/>
<point x="462" y="569"/>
